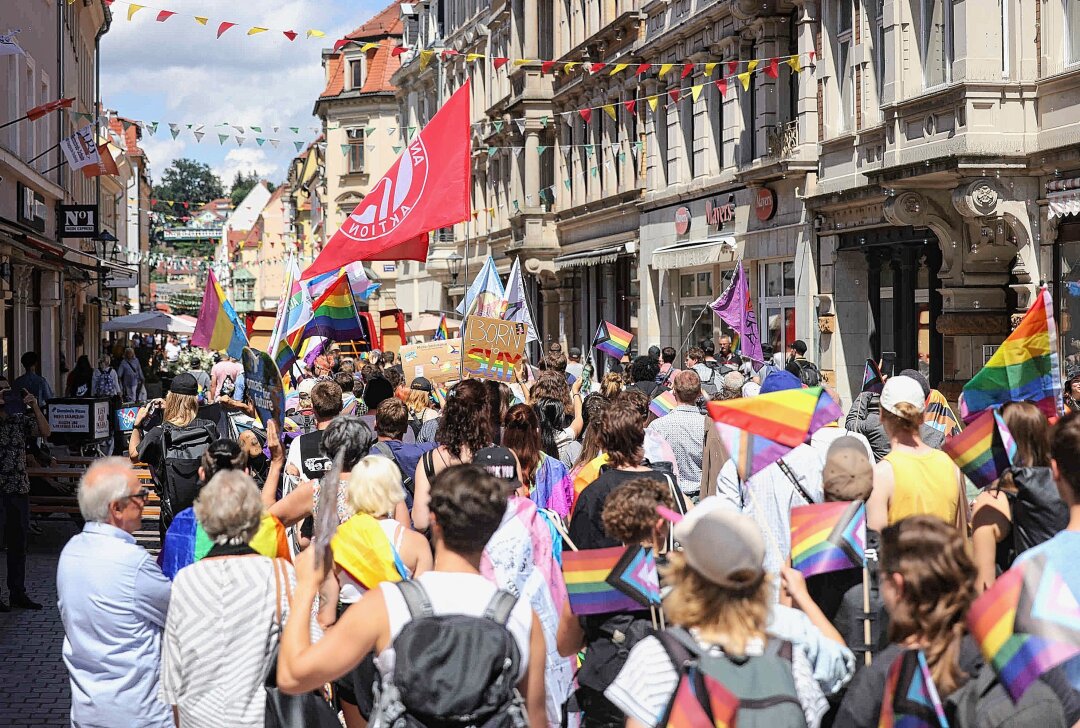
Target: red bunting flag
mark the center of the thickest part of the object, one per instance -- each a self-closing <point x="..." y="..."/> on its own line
<point x="164" y="15"/>
<point x="499" y="61"/>
<point x="642" y="68"/>
<point x="586" y="114"/>
<point x="105" y="166"/>
<point x="340" y="43"/>
<point x="732" y="68"/>
<point x="39" y="111"/>
<point x="674" y="94"/>
<point x="448" y="53"/>
<point x="687" y="69"/>
<point x="812" y="55"/>
<point x="398" y="50"/>
<point x="290" y="34"/>
<point x="630" y="105"/>
<point x="773" y="69"/>
<point x="597" y="67"/>
<point x="427" y="188"/>
<point x="546" y="66"/>
<point x="223" y="27"/>
<point x="721" y="86"/>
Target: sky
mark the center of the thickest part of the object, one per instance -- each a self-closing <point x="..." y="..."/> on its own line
<point x="176" y="71"/>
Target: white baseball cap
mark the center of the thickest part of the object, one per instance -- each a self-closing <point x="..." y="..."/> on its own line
<point x="902" y="389"/>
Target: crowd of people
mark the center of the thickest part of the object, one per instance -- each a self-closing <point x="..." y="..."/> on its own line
<point x="448" y="512"/>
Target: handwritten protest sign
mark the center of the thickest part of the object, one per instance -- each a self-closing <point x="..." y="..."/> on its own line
<point x="437" y="361"/>
<point x="263" y="386"/>
<point x="493" y="348"/>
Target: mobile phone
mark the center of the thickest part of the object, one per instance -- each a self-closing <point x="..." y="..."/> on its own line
<point x="154" y="416"/>
<point x="13" y="402"/>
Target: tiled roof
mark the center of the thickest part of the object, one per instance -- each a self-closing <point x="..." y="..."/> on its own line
<point x="386" y="22"/>
<point x="130" y="137"/>
<point x="380" y="64"/>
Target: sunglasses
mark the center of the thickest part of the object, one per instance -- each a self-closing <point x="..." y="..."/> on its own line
<point x="140" y="494"/>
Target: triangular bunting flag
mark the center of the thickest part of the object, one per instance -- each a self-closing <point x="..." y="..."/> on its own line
<point x="585" y="114"/>
<point x="498" y="125"/>
<point x="345" y="149"/>
<point x="540" y="149"/>
<point x="520" y="124"/>
<point x="609" y="109"/>
<point x="239" y="141"/>
<point x="654" y="101"/>
<point x="543" y="122"/>
<point x="174" y="129"/>
<point x="470" y="57"/>
<point x="642" y="68"/>
<point x="201" y="20"/>
<point x="425" y="58"/>
<point x="568" y="67"/>
<point x="298" y="145"/>
<point x="630" y="105"/>
<point x="751" y="66"/>
<point x="773" y="69"/>
<point x="687" y="69"/>
<point x="721" y="86"/>
<point x="709" y="68"/>
<point x="164" y="15"/>
<point x="222" y="137"/>
<point x="546" y="66"/>
<point x="223" y="27"/>
<point x="290" y="34"/>
<point x="695" y="91"/>
<point x="793" y="61"/>
<point x="674" y="93"/>
<point x="257" y="129"/>
<point x="664" y="68"/>
<point x="619" y="68"/>
<point x="199" y="135"/>
<point x="597" y="67"/>
<point x="744" y="79"/>
<point x="256" y="31"/>
<point x="732" y="68"/>
<point x="132" y="9"/>
<point x="312" y="33"/>
<point x="499" y="61"/>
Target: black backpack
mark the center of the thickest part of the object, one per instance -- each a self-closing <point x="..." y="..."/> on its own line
<point x="453" y="670"/>
<point x="182" y="449"/>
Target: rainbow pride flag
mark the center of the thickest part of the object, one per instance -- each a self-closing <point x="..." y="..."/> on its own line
<point x="1026" y="623"/>
<point x="1024" y="368"/>
<point x="334" y="314"/>
<point x="218" y="327"/>
<point x="910" y="699"/>
<point x="635" y="576"/>
<point x="586" y="573"/>
<point x="442" y="333"/>
<point x="750" y="452"/>
<point x="688" y="710"/>
<point x="284" y="357"/>
<point x="786" y="417"/>
<point x="186" y="542"/>
<point x="663" y="403"/>
<point x="984" y="450"/>
<point x="612" y="340"/>
<point x="828" y="537"/>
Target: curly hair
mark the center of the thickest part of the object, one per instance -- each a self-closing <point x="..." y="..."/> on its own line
<point x="630" y="510"/>
<point x="636" y="400"/>
<point x="694" y="601"/>
<point x="552" y="385"/>
<point x="938" y="588"/>
<point x="466" y="422"/>
<point x="644" y="369"/>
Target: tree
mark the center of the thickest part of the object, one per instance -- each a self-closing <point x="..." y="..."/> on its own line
<point x="186" y="181"/>
<point x="242" y="184"/>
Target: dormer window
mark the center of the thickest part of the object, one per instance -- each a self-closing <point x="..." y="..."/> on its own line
<point x="356" y="73"/>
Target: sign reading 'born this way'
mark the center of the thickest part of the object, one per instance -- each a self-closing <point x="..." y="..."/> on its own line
<point x="493" y="348"/>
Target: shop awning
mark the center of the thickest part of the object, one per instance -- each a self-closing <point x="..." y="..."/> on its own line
<point x="1062" y="203"/>
<point x="697" y="252"/>
<point x="589" y="257"/>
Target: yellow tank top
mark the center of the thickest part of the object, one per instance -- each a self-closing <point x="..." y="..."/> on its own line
<point x="923" y="484"/>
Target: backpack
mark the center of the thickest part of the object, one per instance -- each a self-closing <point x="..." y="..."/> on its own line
<point x="763" y="683"/>
<point x="312" y="462"/>
<point x="710" y="386"/>
<point x="182" y="449"/>
<point x="382" y="449"/>
<point x="609" y="640"/>
<point x="452" y="669"/>
<point x="983" y="702"/>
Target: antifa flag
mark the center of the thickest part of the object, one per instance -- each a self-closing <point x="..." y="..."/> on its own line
<point x="425" y="189"/>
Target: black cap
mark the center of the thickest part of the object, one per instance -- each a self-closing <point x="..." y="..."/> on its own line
<point x="376" y="391"/>
<point x="422" y="384"/>
<point x="575" y="351"/>
<point x="500" y="462"/>
<point x="184" y="384"/>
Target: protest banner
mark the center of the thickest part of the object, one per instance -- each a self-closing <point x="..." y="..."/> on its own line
<point x="437" y="361"/>
<point x="493" y="347"/>
<point x="263" y="387"/>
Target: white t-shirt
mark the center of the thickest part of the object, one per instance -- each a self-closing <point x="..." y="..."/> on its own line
<point x="454" y="593"/>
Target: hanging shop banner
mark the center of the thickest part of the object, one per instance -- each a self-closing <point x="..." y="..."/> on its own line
<point x="493" y="347"/>
<point x="437" y="361"/>
<point x="78" y="221"/>
<point x="263" y="387"/>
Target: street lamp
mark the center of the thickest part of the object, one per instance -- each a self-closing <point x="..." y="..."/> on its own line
<point x="110" y="245"/>
<point x="453" y="264"/>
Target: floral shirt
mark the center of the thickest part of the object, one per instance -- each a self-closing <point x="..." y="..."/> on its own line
<point x="16" y="431"/>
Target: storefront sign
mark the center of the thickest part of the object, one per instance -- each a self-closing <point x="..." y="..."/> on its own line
<point x="78" y="221"/>
<point x="764" y="204"/>
<point x="493" y="348"/>
<point x="682" y="221"/>
<point x="210" y="233"/>
<point x="717" y="215"/>
<point x="437" y="361"/>
<point x="88" y="418"/>
<point x="116" y="278"/>
<point x="263" y="388"/>
<point x="30" y="207"/>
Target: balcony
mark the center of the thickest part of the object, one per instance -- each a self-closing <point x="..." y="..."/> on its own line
<point x="781" y="140"/>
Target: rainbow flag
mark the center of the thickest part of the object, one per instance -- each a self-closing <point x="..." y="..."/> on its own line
<point x="751" y="453"/>
<point x="1025" y="366"/>
<point x="218" y="327"/>
<point x="442" y="333"/>
<point x="788" y="417"/>
<point x="688" y="710"/>
<point x="635" y="576"/>
<point x="294" y="310"/>
<point x="284" y="357"/>
<point x="939" y="414"/>
<point x="872" y="381"/>
<point x="663" y="403"/>
<point x="984" y="450"/>
<point x="612" y="340"/>
<point x="362" y="549"/>
<point x="186" y="542"/>
<point x="334" y="314"/>
<point x="586" y="574"/>
<point x="587" y="473"/>
<point x="828" y="537"/>
<point x="910" y="699"/>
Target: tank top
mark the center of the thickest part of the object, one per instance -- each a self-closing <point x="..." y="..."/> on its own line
<point x="351" y="590"/>
<point x="923" y="484"/>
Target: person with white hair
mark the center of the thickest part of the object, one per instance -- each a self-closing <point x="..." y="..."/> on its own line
<point x="113" y="601"/>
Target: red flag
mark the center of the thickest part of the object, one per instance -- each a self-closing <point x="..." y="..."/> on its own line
<point x="773" y="69"/>
<point x="721" y="86"/>
<point x="674" y="94"/>
<point x="642" y="68"/>
<point x="586" y="114"/>
<point x="426" y="188"/>
<point x="630" y="105"/>
<point x="546" y="66"/>
<point x="107" y="165"/>
<point x="732" y="68"/>
<point x="223" y="27"/>
<point x="687" y="69"/>
<point x="597" y="67"/>
<point x="499" y="61"/>
<point x="398" y="50"/>
<point x="290" y="34"/>
<point x="165" y="15"/>
<point x="39" y="111"/>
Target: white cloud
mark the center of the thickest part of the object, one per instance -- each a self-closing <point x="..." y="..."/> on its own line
<point x="161" y="150"/>
<point x="242" y="159"/>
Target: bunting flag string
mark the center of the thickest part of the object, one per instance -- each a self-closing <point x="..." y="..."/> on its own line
<point x="163" y="15"/>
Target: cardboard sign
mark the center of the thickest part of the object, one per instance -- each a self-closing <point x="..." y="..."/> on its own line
<point x="493" y="348"/>
<point x="263" y="386"/>
<point x="437" y="361"/>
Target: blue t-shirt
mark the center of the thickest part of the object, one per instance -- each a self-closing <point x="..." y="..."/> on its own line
<point x="1061" y="552"/>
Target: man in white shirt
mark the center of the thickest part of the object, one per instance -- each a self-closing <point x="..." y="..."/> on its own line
<point x="172" y="350"/>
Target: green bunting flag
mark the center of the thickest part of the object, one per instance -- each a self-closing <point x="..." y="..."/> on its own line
<point x="298" y="145"/>
<point x="221" y="138"/>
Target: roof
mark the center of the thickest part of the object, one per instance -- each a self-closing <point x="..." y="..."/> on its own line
<point x="129" y="135"/>
<point x="381" y="65"/>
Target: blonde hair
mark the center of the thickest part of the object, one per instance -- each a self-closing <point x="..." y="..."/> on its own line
<point x="694" y="601"/>
<point x="908" y="420"/>
<point x="417" y="401"/>
<point x="181" y="409"/>
<point x="375" y="486"/>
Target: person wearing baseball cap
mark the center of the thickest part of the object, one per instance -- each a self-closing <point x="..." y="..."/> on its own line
<point x="913" y="478"/>
<point x="720" y="598"/>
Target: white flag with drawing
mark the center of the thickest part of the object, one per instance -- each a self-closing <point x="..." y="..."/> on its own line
<point x="80" y="149"/>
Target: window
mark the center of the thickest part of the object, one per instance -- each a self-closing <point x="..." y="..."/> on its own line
<point x="356" y="150"/>
<point x="356" y="74"/>
<point x="935" y="41"/>
<point x="778" y="303"/>
<point x="1072" y="31"/>
<point x="663" y="146"/>
<point x="840" y="21"/>
<point x="714" y="107"/>
<point x="876" y="20"/>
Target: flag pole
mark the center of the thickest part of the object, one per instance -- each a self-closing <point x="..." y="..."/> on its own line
<point x="465" y="297"/>
<point x="31" y="161"/>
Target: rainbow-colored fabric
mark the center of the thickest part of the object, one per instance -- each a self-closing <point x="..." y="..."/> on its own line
<point x="218" y="327"/>
<point x="612" y="340"/>
<point x="663" y="403"/>
<point x="334" y="314"/>
<point x="587" y="588"/>
<point x="828" y="537"/>
<point x="984" y="450"/>
<point x="911" y="700"/>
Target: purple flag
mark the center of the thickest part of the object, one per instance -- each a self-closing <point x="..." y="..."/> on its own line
<point x="735" y="308"/>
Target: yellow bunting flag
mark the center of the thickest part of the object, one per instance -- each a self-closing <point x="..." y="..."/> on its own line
<point x="255" y="31"/>
<point x="201" y="20"/>
<point x="695" y="91"/>
<point x="470" y="57"/>
<point x="609" y="109"/>
<point x="568" y="67"/>
<point x="315" y="34"/>
<point x="664" y="68"/>
<point x="619" y="68"/>
<point x="132" y="9"/>
<point x="425" y="58"/>
<point x="709" y="68"/>
<point x="368" y="47"/>
<point x="793" y="61"/>
<point x="744" y="79"/>
<point x="521" y="61"/>
<point x="751" y="65"/>
<point x="654" y="101"/>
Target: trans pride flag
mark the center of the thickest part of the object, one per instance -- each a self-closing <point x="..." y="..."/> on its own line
<point x="828" y="537"/>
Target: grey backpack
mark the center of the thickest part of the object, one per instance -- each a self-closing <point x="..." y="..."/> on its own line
<point x="763" y="684"/>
